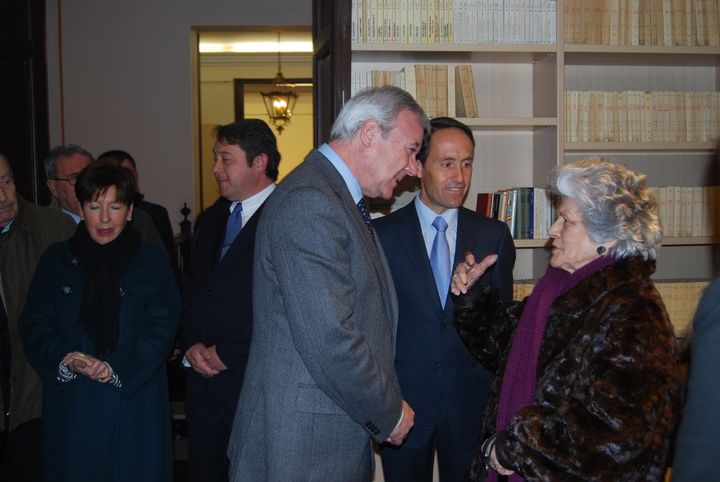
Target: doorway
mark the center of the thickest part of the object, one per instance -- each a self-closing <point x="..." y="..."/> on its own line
<point x="226" y="58"/>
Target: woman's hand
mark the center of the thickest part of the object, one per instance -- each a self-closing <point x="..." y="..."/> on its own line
<point x="89" y="366"/>
<point x="495" y="465"/>
<point x="468" y="272"/>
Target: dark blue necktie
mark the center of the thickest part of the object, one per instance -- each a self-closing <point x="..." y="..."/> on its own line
<point x="440" y="259"/>
<point x="234" y="224"/>
<point x="366" y="216"/>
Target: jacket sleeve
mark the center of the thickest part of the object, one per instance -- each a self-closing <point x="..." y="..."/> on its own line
<point x="612" y="412"/>
<point x="43" y="340"/>
<point x="486" y="324"/>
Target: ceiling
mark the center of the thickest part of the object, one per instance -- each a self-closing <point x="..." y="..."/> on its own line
<point x="254" y="41"/>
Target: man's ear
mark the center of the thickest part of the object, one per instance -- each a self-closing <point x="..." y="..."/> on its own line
<point x="260" y="163"/>
<point x="369" y="132"/>
<point x="418" y="168"/>
<point x="52" y="187"/>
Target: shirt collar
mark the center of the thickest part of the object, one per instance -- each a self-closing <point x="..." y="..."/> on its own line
<point x="427" y="216"/>
<point x="350" y="180"/>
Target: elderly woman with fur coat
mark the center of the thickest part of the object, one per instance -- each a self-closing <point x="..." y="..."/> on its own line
<point x="587" y="385"/>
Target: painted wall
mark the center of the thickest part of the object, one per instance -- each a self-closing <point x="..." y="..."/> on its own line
<point x="122" y="76"/>
<point x="217" y="108"/>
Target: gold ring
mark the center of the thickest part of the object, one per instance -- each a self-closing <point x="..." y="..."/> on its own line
<point x="101" y="378"/>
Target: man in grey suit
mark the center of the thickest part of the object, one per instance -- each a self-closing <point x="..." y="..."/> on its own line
<point x="320" y="382"/>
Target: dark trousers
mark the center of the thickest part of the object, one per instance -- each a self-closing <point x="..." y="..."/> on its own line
<point x="21" y="453"/>
<point x="401" y="464"/>
<point x="209" y="421"/>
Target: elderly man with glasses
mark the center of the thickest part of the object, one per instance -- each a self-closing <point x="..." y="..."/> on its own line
<point x="62" y="167"/>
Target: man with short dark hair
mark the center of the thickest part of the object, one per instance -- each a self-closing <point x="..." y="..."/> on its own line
<point x="26" y="230"/>
<point x="446" y="386"/>
<point x="158" y="214"/>
<point x="216" y="325"/>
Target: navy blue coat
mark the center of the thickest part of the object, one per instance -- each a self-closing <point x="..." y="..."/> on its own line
<point x="697" y="449"/>
<point x="433" y="365"/>
<point x="92" y="430"/>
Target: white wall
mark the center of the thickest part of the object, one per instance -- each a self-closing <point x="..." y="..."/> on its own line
<point x="121" y="77"/>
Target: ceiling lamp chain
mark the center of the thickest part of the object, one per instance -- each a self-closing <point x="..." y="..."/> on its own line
<point x="280" y="103"/>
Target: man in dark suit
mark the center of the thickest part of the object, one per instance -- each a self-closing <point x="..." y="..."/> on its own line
<point x="217" y="320"/>
<point x="438" y="376"/>
<point x="320" y="381"/>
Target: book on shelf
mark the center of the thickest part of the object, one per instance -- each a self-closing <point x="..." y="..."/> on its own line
<point x="454" y="21"/>
<point x="681" y="299"/>
<point x="688" y="211"/>
<point x="642" y="22"/>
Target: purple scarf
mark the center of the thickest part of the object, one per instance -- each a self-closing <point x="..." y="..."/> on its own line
<point x="520" y="377"/>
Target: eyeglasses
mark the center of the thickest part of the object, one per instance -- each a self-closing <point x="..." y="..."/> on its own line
<point x="72" y="179"/>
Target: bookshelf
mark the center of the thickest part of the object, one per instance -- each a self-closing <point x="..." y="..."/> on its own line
<point x="521" y="87"/>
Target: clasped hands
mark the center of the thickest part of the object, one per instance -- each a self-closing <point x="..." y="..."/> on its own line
<point x="468" y="272"/>
<point x="205" y="360"/>
<point x="89" y="366"/>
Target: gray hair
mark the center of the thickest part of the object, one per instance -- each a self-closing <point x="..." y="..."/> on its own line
<point x="383" y="104"/>
<point x="616" y="204"/>
<point x="61" y="151"/>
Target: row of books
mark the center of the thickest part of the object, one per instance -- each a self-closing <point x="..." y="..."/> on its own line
<point x="441" y="90"/>
<point x="637" y="116"/>
<point x="688" y="210"/>
<point x="528" y="211"/>
<point x="685" y="211"/>
<point x="642" y="22"/>
<point x="680" y="299"/>
<point x="454" y="21"/>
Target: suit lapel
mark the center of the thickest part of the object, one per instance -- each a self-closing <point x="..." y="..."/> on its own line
<point x="409" y="236"/>
<point x="373" y="247"/>
<point x="244" y="240"/>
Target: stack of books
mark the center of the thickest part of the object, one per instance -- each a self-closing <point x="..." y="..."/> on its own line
<point x="528" y="211"/>
<point x="441" y="90"/>
<point x="686" y="23"/>
<point x="454" y="21"/>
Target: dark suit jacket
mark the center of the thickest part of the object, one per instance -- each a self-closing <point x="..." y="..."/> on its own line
<point x="161" y="220"/>
<point x="217" y="303"/>
<point x="697" y="448"/>
<point x="433" y="365"/>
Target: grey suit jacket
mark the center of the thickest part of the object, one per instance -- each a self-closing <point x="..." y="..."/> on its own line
<point x="320" y="381"/>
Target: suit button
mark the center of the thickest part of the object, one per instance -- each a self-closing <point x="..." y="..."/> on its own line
<point x="439" y="367"/>
<point x="444" y="326"/>
<point x="206" y="328"/>
<point x="209" y="293"/>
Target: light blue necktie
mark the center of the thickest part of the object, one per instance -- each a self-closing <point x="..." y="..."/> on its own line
<point x="234" y="224"/>
<point x="440" y="259"/>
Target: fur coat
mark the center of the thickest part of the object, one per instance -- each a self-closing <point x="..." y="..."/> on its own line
<point x="606" y="402"/>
